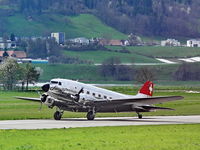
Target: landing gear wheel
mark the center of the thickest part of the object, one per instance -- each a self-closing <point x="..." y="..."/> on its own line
<point x="140" y="116"/>
<point x="90" y="115"/>
<point x="57" y="115"/>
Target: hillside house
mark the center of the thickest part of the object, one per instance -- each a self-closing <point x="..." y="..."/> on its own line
<point x="193" y="43"/>
<point x="115" y="43"/>
<point x="170" y="42"/>
<point x="125" y="42"/>
<point x="59" y="37"/>
<point x="7" y="44"/>
<point x="15" y="54"/>
<point x="105" y="42"/>
<point x="80" y="40"/>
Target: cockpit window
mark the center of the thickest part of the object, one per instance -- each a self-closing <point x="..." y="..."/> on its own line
<point x="54" y="82"/>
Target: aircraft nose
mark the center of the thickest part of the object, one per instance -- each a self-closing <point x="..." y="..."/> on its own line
<point x="46" y="87"/>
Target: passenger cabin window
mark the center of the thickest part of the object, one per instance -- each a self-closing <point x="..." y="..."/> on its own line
<point x="88" y="92"/>
<point x="59" y="83"/>
<point x="105" y="97"/>
<point x="110" y="97"/>
<point x="93" y="94"/>
<point x="99" y="95"/>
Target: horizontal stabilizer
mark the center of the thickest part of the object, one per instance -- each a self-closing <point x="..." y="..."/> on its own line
<point x="157" y="100"/>
<point x="156" y="108"/>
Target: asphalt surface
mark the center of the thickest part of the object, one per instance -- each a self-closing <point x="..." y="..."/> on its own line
<point x="82" y="122"/>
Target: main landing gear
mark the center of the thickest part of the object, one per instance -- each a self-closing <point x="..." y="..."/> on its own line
<point x="58" y="115"/>
<point x="139" y="115"/>
<point x="90" y="115"/>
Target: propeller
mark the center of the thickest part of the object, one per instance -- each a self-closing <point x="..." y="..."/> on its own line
<point x="46" y="87"/>
<point x="40" y="108"/>
<point x="77" y="96"/>
<point x="43" y="97"/>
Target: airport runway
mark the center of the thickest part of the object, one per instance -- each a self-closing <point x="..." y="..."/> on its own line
<point x="82" y="122"/>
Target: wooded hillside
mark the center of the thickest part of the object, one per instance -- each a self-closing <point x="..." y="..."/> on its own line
<point x="145" y="17"/>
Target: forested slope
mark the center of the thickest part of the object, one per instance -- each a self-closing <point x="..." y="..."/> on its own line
<point x="145" y="17"/>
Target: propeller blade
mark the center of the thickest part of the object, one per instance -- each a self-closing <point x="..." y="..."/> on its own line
<point x="46" y="87"/>
<point x="77" y="96"/>
<point x="42" y="99"/>
<point x="40" y="108"/>
<point x="39" y="93"/>
<point x="80" y="91"/>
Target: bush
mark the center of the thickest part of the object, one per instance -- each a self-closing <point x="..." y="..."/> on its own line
<point x="187" y="71"/>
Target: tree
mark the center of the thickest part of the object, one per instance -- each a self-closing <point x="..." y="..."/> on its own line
<point x="30" y="74"/>
<point x="37" y="48"/>
<point x="187" y="71"/>
<point x="12" y="37"/>
<point x="9" y="73"/>
<point x="53" y="48"/>
<point x="108" y="68"/>
<point x="144" y="74"/>
<point x="134" y="40"/>
<point x="22" y="44"/>
<point x="112" y="68"/>
<point x="124" y="73"/>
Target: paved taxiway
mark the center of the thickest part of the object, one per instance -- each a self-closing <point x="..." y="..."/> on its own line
<point x="82" y="122"/>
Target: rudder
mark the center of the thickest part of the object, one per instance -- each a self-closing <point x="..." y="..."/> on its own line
<point x="147" y="88"/>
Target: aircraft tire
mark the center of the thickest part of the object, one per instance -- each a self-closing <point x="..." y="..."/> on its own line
<point x="90" y="115"/>
<point x="57" y="115"/>
<point x="140" y="116"/>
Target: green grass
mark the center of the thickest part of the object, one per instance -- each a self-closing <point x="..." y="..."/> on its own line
<point x="159" y="51"/>
<point x="139" y="54"/>
<point x="11" y="108"/>
<point x="161" y="137"/>
<point x="67" y="71"/>
<point x="90" y="26"/>
<point x="90" y="74"/>
<point x="84" y="25"/>
<point x="100" y="56"/>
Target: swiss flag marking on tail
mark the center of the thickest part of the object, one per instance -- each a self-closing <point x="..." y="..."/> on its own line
<point x="147" y="88"/>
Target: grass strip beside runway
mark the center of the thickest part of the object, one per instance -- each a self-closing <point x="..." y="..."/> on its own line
<point x="165" y="137"/>
<point x="12" y="109"/>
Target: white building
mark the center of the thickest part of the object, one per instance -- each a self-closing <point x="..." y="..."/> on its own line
<point x="81" y="40"/>
<point x="7" y="44"/>
<point x="59" y="37"/>
<point x="193" y="43"/>
<point x="170" y="42"/>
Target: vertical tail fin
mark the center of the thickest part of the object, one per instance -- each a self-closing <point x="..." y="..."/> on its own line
<point x="147" y="88"/>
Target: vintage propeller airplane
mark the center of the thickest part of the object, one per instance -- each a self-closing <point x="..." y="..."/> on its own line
<point x="69" y="95"/>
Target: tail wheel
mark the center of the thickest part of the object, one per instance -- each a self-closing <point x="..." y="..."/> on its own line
<point x="57" y="115"/>
<point x="90" y="115"/>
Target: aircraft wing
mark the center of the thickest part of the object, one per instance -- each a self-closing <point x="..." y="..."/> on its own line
<point x="146" y="101"/>
<point x="29" y="98"/>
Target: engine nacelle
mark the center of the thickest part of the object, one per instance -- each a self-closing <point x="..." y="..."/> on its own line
<point x="49" y="101"/>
